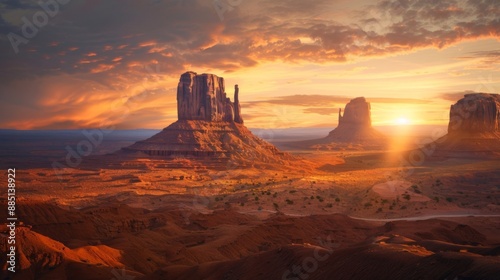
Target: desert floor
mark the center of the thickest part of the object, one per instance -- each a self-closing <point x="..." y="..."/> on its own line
<point x="147" y="220"/>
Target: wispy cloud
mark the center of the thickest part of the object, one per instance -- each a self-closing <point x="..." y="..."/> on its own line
<point x="94" y="52"/>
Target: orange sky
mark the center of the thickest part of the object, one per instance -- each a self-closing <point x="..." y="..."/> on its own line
<point x="296" y="62"/>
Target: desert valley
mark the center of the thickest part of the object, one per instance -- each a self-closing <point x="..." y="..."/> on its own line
<point x="249" y="140"/>
<point x="207" y="199"/>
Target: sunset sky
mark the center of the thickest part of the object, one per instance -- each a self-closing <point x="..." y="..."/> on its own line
<point x="95" y="63"/>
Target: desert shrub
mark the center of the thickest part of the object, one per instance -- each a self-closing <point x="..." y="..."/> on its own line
<point x="288" y="201"/>
<point x="449" y="199"/>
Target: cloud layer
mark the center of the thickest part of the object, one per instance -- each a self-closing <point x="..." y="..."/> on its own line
<point x="91" y="54"/>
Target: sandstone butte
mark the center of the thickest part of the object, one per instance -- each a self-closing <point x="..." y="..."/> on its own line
<point x="473" y="129"/>
<point x="353" y="132"/>
<point x="210" y="128"/>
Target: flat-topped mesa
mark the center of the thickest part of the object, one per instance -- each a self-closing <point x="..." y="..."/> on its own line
<point x="203" y="97"/>
<point x="475" y="114"/>
<point x="356" y="114"/>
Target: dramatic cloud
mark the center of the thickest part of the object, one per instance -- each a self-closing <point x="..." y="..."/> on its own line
<point x="322" y="100"/>
<point x="455" y="96"/>
<point x="64" y="65"/>
<point x="321" y="111"/>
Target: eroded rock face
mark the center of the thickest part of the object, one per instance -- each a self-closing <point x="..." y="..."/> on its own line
<point x="475" y="113"/>
<point x="354" y="131"/>
<point x="237" y="107"/>
<point x="356" y="113"/>
<point x="203" y="97"/>
<point x="209" y="132"/>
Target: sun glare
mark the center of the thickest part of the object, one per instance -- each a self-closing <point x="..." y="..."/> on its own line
<point x="402" y="121"/>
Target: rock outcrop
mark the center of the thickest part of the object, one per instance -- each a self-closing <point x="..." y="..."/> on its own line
<point x="237" y="106"/>
<point x="210" y="129"/>
<point x="357" y="114"/>
<point x="354" y="131"/>
<point x="203" y="97"/>
<point x="475" y="113"/>
<point x="473" y="129"/>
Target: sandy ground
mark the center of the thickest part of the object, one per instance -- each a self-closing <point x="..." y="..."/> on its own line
<point x="168" y="220"/>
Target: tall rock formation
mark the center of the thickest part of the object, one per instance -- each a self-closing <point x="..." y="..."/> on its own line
<point x="357" y="114"/>
<point x="354" y="131"/>
<point x="473" y="129"/>
<point x="203" y="97"/>
<point x="475" y="113"/>
<point x="210" y="130"/>
<point x="237" y="107"/>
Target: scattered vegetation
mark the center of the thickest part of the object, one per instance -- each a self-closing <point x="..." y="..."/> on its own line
<point x="415" y="189"/>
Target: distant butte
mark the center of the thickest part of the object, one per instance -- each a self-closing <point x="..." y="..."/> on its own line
<point x="477" y="115"/>
<point x="355" y="126"/>
<point x="353" y="132"/>
<point x="209" y="129"/>
<point x="473" y="129"/>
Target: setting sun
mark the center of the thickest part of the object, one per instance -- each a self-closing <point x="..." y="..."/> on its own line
<point x="402" y="121"/>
